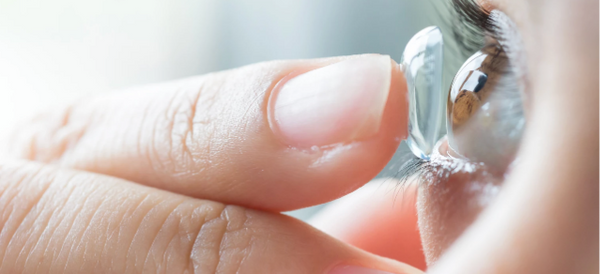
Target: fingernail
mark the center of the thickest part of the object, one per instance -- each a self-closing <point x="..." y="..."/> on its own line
<point x="341" y="102"/>
<point x="351" y="269"/>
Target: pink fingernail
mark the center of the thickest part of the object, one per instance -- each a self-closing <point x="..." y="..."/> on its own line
<point x="337" y="103"/>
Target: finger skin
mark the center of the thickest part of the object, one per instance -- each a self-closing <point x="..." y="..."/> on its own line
<point x="209" y="137"/>
<point x="380" y="217"/>
<point x="61" y="221"/>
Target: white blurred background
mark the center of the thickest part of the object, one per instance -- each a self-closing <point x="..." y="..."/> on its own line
<point x="57" y="51"/>
<point x="54" y="52"/>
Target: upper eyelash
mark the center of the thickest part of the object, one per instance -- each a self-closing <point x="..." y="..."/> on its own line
<point x="473" y="13"/>
<point x="470" y="25"/>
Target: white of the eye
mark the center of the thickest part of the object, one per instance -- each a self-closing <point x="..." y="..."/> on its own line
<point x="507" y="34"/>
<point x="509" y="38"/>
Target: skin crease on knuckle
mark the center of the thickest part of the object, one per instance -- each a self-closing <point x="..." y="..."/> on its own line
<point x="75" y="222"/>
<point x="186" y="121"/>
<point x="70" y="222"/>
<point x="544" y="217"/>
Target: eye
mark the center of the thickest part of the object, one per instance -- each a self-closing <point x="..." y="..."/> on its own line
<point x="485" y="117"/>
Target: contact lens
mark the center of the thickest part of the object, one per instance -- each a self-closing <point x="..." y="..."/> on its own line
<point x="422" y="66"/>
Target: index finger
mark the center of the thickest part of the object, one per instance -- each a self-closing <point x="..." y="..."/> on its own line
<point x="278" y="136"/>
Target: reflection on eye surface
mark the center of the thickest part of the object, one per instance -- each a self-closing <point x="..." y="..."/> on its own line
<point x="485" y="114"/>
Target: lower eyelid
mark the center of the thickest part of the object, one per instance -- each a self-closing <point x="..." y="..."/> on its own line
<point x="452" y="194"/>
<point x="444" y="165"/>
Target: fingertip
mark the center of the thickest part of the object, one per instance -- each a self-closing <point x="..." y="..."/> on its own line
<point x="397" y="105"/>
<point x="212" y="137"/>
<point x="329" y="172"/>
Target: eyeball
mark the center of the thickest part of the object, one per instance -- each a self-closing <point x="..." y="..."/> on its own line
<point x="422" y="66"/>
<point x="485" y="117"/>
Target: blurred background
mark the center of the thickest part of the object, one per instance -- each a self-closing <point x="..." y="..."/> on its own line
<point x="55" y="52"/>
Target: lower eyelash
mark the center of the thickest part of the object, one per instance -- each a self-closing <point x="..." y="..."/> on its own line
<point x="412" y="165"/>
<point x="442" y="167"/>
<point x="438" y="169"/>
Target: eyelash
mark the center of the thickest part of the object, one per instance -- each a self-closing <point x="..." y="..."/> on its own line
<point x="471" y="23"/>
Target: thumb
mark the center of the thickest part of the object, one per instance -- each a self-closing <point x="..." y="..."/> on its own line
<point x="62" y="221"/>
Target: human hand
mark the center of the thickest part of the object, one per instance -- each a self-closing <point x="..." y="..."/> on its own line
<point x="237" y="146"/>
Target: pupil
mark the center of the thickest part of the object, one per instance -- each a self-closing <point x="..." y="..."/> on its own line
<point x="480" y="82"/>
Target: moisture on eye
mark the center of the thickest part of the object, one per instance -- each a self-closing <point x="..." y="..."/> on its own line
<point x="422" y="66"/>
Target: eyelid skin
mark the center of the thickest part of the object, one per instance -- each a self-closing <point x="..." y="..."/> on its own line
<point x="452" y="193"/>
